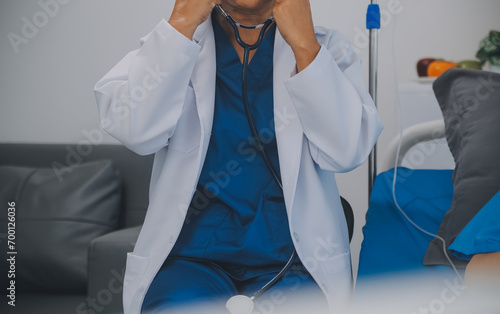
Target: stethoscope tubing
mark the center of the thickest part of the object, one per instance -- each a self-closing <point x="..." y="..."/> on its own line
<point x="255" y="134"/>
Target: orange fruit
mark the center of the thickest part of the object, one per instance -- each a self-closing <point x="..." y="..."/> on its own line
<point x="436" y="68"/>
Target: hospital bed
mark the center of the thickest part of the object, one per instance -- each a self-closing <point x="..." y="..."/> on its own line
<point x="392" y="246"/>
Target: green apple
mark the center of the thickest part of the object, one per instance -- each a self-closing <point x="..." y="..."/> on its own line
<point x="469" y="64"/>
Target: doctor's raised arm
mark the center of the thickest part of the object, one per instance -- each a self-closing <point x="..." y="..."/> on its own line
<point x="141" y="99"/>
<point x="250" y="111"/>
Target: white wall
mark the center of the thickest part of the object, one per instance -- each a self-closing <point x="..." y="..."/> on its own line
<point x="47" y="86"/>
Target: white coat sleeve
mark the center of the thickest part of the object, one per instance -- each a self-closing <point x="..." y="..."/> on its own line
<point x="141" y="99"/>
<point x="338" y="115"/>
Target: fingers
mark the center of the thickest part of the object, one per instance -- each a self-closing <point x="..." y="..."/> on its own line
<point x="294" y="20"/>
<point x="187" y="15"/>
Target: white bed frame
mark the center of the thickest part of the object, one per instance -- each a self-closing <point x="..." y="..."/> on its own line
<point x="422" y="132"/>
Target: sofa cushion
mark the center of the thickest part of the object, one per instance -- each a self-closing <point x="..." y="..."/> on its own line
<point x="56" y="218"/>
<point x="470" y="102"/>
<point x="45" y="303"/>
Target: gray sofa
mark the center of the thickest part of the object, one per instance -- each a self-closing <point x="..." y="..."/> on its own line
<point x="106" y="254"/>
<point x="105" y="257"/>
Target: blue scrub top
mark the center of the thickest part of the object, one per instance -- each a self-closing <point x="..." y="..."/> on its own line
<point x="237" y="218"/>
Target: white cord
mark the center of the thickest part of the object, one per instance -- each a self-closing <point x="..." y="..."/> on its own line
<point x="396" y="162"/>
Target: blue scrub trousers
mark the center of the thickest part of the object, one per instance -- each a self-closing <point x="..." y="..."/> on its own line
<point x="180" y="283"/>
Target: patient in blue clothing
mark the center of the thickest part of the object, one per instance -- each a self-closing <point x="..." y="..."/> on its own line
<point x="479" y="243"/>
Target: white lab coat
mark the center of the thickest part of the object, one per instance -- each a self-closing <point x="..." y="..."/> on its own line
<point x="162" y="96"/>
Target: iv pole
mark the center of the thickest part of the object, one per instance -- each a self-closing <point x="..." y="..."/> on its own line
<point x="373" y="24"/>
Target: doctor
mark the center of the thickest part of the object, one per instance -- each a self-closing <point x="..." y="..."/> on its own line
<point x="215" y="213"/>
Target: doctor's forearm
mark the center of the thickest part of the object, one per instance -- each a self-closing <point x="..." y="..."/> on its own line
<point x="305" y="55"/>
<point x="295" y="23"/>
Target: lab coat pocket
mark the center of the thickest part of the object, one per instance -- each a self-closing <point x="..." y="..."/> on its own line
<point x="337" y="282"/>
<point x="135" y="267"/>
<point x="187" y="134"/>
<point x="336" y="263"/>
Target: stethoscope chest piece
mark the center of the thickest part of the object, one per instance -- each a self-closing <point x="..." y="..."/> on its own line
<point x="240" y="304"/>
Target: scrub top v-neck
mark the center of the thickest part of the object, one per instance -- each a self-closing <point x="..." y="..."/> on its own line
<point x="237" y="218"/>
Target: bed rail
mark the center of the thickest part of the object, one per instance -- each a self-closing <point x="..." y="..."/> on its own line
<point x="422" y="132"/>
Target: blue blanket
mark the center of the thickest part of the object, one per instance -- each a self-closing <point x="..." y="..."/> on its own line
<point x="391" y="244"/>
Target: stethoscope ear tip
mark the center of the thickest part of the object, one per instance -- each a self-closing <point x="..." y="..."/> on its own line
<point x="240" y="304"/>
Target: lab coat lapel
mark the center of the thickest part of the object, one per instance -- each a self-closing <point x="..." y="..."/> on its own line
<point x="288" y="128"/>
<point x="203" y="78"/>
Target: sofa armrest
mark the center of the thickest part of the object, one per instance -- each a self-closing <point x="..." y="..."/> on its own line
<point x="107" y="257"/>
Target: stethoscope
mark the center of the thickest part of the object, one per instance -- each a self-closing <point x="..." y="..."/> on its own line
<point x="241" y="304"/>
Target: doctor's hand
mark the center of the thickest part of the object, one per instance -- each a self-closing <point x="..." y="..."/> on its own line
<point x="294" y="21"/>
<point x="187" y="15"/>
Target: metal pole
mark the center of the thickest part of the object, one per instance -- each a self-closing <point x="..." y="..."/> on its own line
<point x="373" y="24"/>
